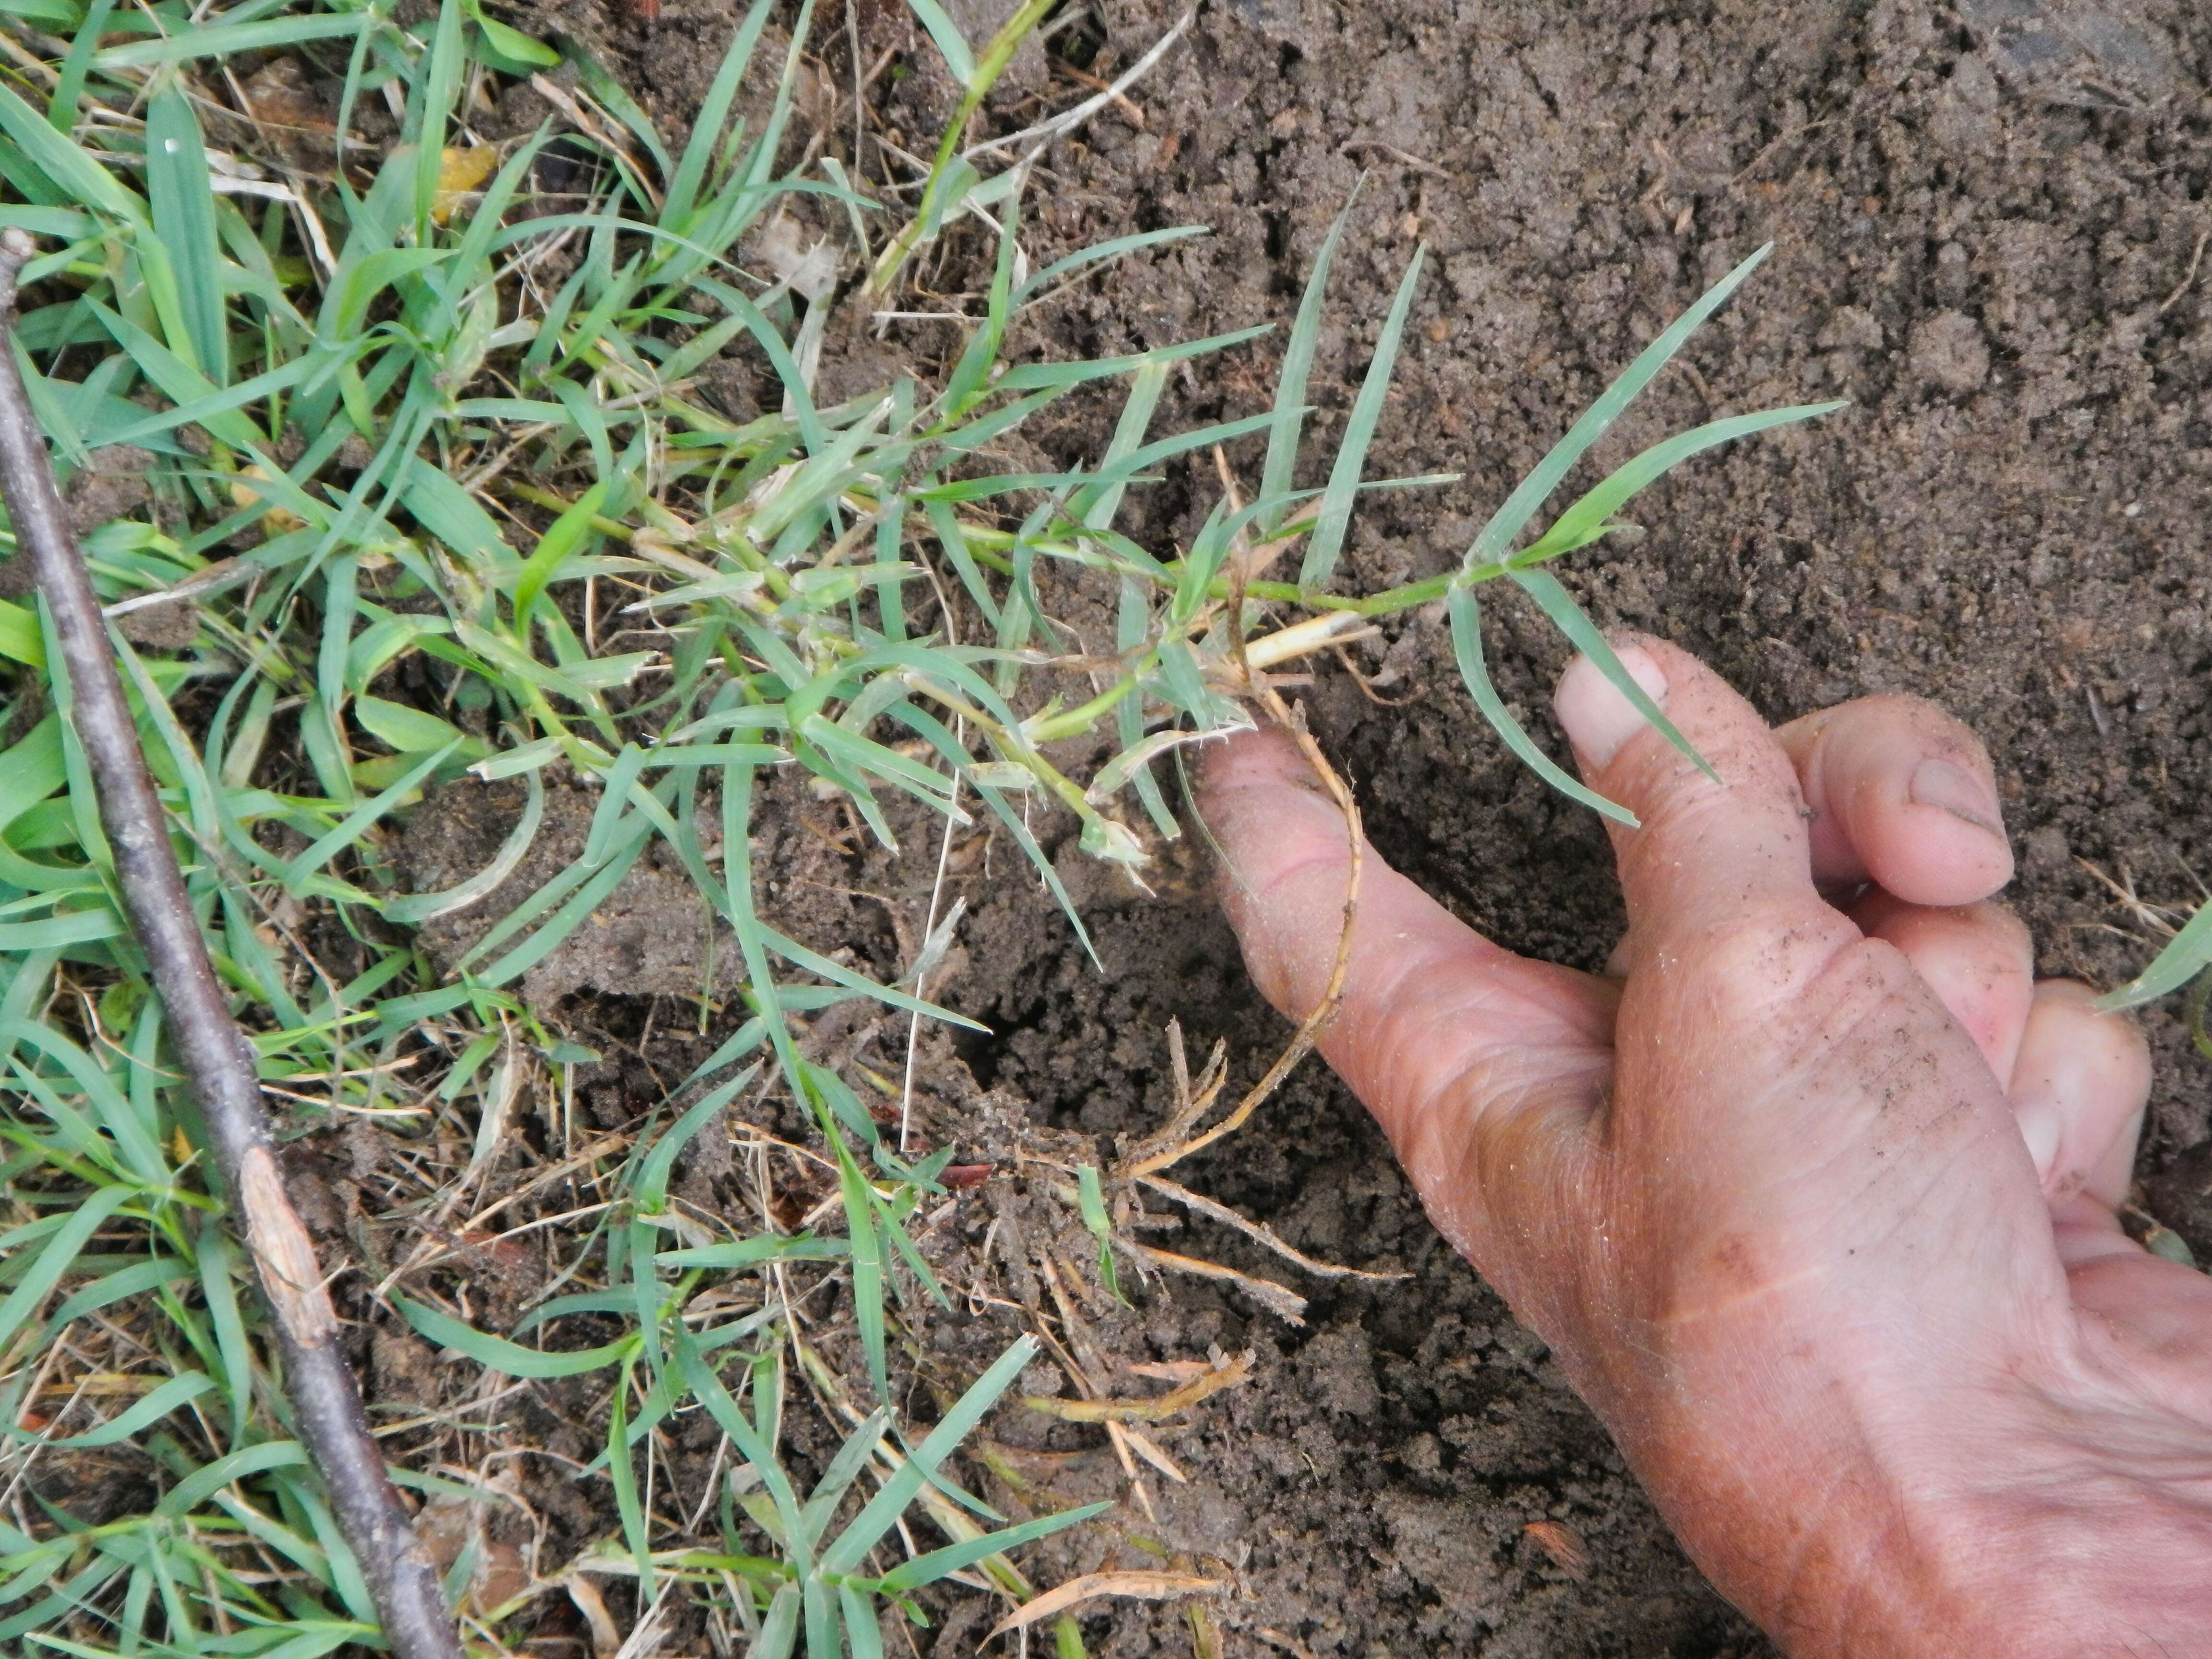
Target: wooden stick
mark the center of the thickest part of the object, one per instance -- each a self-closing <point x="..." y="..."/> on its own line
<point x="217" y="1061"/>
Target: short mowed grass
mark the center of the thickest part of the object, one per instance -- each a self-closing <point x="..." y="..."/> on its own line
<point x="419" y="453"/>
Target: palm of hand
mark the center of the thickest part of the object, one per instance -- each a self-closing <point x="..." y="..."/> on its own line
<point x="1816" y="1207"/>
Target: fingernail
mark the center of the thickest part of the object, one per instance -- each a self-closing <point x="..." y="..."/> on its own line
<point x="1958" y="792"/>
<point x="1597" y="717"/>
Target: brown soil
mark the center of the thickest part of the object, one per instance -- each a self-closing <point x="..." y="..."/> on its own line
<point x="1987" y="222"/>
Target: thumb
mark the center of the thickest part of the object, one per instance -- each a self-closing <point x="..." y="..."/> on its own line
<point x="1481" y="1065"/>
<point x="1707" y="857"/>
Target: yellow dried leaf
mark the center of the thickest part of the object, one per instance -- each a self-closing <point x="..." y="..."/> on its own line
<point x="277" y="519"/>
<point x="459" y="172"/>
<point x="1210" y="1381"/>
<point x="1141" y="1586"/>
<point x="607" y="1636"/>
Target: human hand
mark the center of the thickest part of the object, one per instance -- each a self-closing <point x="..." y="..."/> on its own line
<point x="1815" y="1205"/>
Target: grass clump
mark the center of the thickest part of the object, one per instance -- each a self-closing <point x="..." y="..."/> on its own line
<point x="411" y="410"/>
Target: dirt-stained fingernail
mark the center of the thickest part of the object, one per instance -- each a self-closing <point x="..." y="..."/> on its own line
<point x="1597" y="717"/>
<point x="1951" y="786"/>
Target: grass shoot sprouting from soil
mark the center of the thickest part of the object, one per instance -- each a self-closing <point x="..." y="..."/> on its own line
<point x="416" y="450"/>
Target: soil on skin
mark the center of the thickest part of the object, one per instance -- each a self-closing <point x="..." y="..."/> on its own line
<point x="1987" y="222"/>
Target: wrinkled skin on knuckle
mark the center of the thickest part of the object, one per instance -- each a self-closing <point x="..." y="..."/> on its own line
<point x="1508" y="1168"/>
<point x="1734" y="1068"/>
<point x="1478" y="1133"/>
<point x="1698" y="993"/>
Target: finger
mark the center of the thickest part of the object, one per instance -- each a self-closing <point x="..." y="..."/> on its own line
<point x="1707" y="857"/>
<point x="1436" y="1025"/>
<point x="1977" y="958"/>
<point x="2161" y="1311"/>
<point x="2078" y="1090"/>
<point x="1901" y="795"/>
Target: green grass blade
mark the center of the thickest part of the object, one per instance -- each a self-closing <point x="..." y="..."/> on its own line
<point x="779" y="1630"/>
<point x="2183" y="958"/>
<point x="1097" y="253"/>
<point x="68" y="91"/>
<point x="565" y="921"/>
<point x="54" y="420"/>
<point x="611" y="93"/>
<point x="1097" y="505"/>
<point x="448" y="511"/>
<point x="998" y="52"/>
<point x="950" y="44"/>
<point x="183" y="383"/>
<point x="778" y="352"/>
<point x="1327" y="538"/>
<point x="134" y="1136"/>
<point x="1124" y="470"/>
<point x="971" y="375"/>
<point x="1521" y="506"/>
<point x="940" y="737"/>
<point x="623" y="1475"/>
<point x="891" y="1500"/>
<point x="650" y="1193"/>
<point x="1030" y="377"/>
<point x="59" y="1257"/>
<point x="815" y="962"/>
<point x="823" y="1622"/>
<point x="345" y="1572"/>
<point x="844" y="1469"/>
<point x="59" y="157"/>
<point x="220" y="1294"/>
<point x="755" y="1252"/>
<point x="1467" y="646"/>
<point x="562" y="539"/>
<point x="864" y="1637"/>
<point x="76" y="927"/>
<point x="60" y="16"/>
<point x="110" y="1288"/>
<point x="1278" y="476"/>
<point x="756" y="1445"/>
<point x="412" y="909"/>
<point x="348" y="830"/>
<point x="1571" y="620"/>
<point x="320" y="727"/>
<point x="268" y="384"/>
<point x="523" y="53"/>
<point x="939" y="1563"/>
<point x="1132" y="625"/>
<point x="182" y="203"/>
<point x="227" y="40"/>
<point x="867" y="1262"/>
<point x="1091" y="1198"/>
<point x="440" y="87"/>
<point x="945" y="524"/>
<point x="497" y="1354"/>
<point x="410" y="731"/>
<point x="174" y="1394"/>
<point x="1585" y="521"/>
<point x="707" y="127"/>
<point x="196" y="1488"/>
